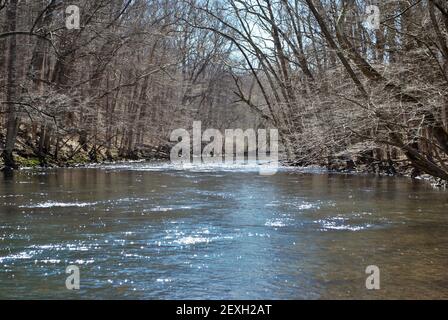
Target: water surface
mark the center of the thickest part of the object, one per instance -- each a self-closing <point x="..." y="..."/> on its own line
<point x="152" y="231"/>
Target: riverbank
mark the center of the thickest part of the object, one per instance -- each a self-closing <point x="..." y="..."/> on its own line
<point x="390" y="168"/>
<point x="395" y="169"/>
<point x="73" y="155"/>
<point x="350" y="161"/>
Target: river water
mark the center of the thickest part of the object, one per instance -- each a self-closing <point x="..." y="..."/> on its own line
<point x="153" y="231"/>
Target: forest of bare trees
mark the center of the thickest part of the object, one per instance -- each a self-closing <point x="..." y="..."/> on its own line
<point x="337" y="86"/>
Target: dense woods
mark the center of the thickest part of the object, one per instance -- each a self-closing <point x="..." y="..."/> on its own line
<point x="339" y="88"/>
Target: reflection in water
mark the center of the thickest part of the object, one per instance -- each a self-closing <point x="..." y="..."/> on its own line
<point x="160" y="232"/>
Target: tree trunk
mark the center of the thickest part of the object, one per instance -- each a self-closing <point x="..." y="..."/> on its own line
<point x="12" y="124"/>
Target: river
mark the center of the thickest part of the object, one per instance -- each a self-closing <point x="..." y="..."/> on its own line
<point x="154" y="231"/>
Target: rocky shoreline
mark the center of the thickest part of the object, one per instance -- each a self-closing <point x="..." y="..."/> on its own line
<point x="391" y="168"/>
<point x="354" y="163"/>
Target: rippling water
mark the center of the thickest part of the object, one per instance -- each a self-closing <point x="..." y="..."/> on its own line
<point x="153" y="231"/>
